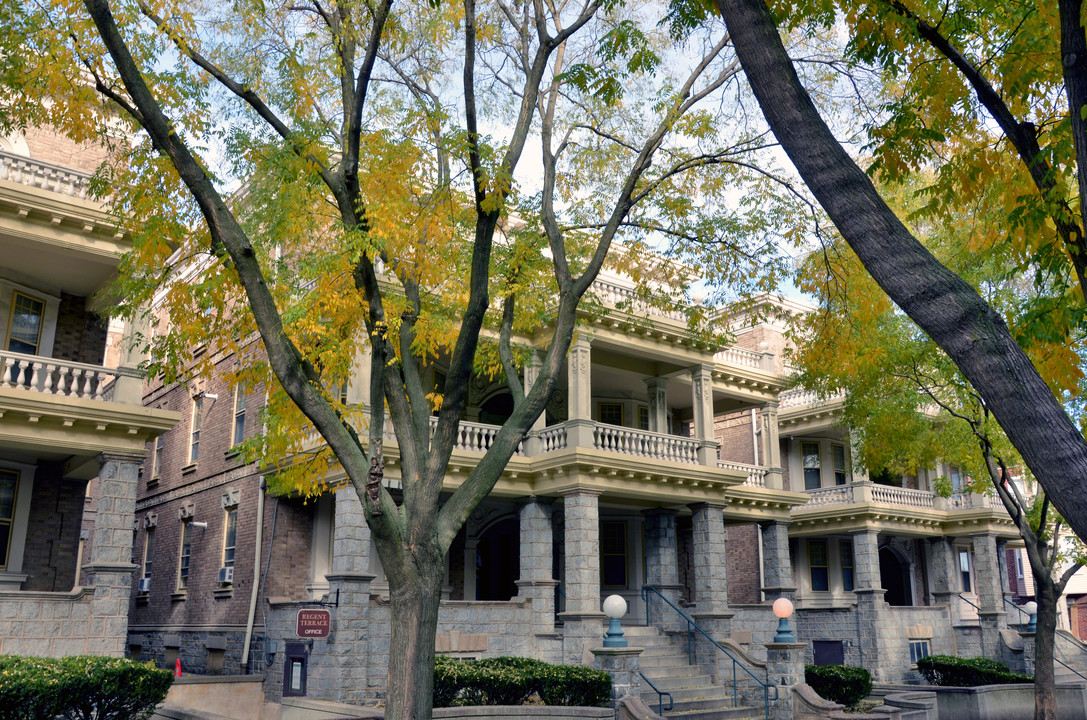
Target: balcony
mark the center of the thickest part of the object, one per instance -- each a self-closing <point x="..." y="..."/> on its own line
<point x="62" y="377"/>
<point x="45" y="176"/>
<point x="844" y="508"/>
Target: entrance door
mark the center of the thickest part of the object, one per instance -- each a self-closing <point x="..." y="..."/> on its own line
<point x="894" y="575"/>
<point x="498" y="561"/>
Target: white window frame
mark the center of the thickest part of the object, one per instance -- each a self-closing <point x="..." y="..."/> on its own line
<point x="229" y="512"/>
<point x="184" y="559"/>
<point x="195" y="424"/>
<point x="239" y="414"/>
<point x="49" y="315"/>
<point x="148" y="553"/>
<point x="12" y="576"/>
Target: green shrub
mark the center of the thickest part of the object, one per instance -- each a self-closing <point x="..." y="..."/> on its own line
<point x="512" y="681"/>
<point x="80" y="688"/>
<point x="843" y="684"/>
<point x="950" y="671"/>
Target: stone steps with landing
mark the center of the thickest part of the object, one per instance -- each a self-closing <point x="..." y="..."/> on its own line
<point x="694" y="695"/>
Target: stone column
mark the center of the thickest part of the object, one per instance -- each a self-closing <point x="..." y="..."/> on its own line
<point x="583" y="619"/>
<point x="702" y="397"/>
<point x="943" y="572"/>
<point x="657" y="392"/>
<point x="662" y="566"/>
<point x="869" y="591"/>
<point x="110" y="568"/>
<point x="771" y="446"/>
<point x="339" y="662"/>
<point x="623" y="666"/>
<point x="784" y="668"/>
<point x="580" y="397"/>
<point x="710" y="588"/>
<point x="128" y="388"/>
<point x="991" y="616"/>
<point x="1005" y="584"/>
<point x="536" y="582"/>
<point x="777" y="565"/>
<point x="532" y="443"/>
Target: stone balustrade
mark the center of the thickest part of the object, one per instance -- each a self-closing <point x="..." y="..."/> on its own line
<point x="756" y="476"/>
<point x="47" y="176"/>
<point x="60" y="377"/>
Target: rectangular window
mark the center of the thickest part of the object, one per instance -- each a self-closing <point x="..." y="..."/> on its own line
<point x="840" y="476"/>
<point x="643" y="417"/>
<point x="230" y="536"/>
<point x="156" y="458"/>
<point x="613" y="554"/>
<point x="194" y="435"/>
<point x="812" y="475"/>
<point x="25" y="326"/>
<point x="964" y="569"/>
<point x="918" y="650"/>
<point x="611" y="413"/>
<point x="148" y="552"/>
<point x="9" y="485"/>
<point x="186" y="550"/>
<point x="956" y="479"/>
<point x="239" y="415"/>
<point x="845" y="554"/>
<point x="818" y="565"/>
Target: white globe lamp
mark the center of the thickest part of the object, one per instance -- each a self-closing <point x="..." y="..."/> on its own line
<point x="615" y="607"/>
<point x="783" y="610"/>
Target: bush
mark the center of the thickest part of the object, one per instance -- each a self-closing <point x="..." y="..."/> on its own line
<point x="512" y="681"/>
<point x="80" y="688"/>
<point x="843" y="684"/>
<point x="950" y="671"/>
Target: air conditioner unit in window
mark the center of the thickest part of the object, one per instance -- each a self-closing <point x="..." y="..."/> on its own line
<point x="144" y="585"/>
<point x="226" y="575"/>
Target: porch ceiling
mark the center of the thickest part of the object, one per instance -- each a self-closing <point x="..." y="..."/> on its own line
<point x="908" y="522"/>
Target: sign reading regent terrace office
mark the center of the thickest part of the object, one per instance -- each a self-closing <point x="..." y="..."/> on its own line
<point x="313" y="623"/>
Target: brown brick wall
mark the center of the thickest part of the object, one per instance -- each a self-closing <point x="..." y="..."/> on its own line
<point x="81" y="335"/>
<point x="46" y="144"/>
<point x="742" y="561"/>
<point x="203" y="484"/>
<point x="733" y="431"/>
<point x="52" y="539"/>
<point x="775" y="342"/>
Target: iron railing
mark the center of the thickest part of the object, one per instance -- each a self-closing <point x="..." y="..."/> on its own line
<point x="660" y="695"/>
<point x="694" y="629"/>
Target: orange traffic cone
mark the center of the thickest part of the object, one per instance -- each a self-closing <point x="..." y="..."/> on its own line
<point x="177" y="668"/>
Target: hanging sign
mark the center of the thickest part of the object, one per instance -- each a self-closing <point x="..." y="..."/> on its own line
<point x="313" y="623"/>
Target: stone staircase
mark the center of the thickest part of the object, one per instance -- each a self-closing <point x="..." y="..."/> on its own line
<point x="694" y="695"/>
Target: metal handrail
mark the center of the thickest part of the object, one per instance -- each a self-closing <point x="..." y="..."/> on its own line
<point x="660" y="695"/>
<point x="1019" y="608"/>
<point x="692" y="626"/>
<point x="1068" y="667"/>
<point x="968" y="602"/>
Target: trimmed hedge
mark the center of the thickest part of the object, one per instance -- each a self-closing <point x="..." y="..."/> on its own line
<point x="950" y="671"/>
<point x="80" y="688"/>
<point x="843" y="684"/>
<point x="513" y="680"/>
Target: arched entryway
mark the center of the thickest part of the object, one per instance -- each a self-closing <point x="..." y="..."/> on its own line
<point x="498" y="561"/>
<point x="496" y="409"/>
<point x="894" y="575"/>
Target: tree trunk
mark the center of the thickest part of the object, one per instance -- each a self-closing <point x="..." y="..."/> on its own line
<point x="1045" y="682"/>
<point x="415" y="593"/>
<point x="973" y="335"/>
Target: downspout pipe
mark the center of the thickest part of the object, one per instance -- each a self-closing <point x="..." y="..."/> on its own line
<point x="256" y="579"/>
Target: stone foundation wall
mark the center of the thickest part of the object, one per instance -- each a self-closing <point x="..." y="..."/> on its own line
<point x="48" y="624"/>
<point x="199" y="650"/>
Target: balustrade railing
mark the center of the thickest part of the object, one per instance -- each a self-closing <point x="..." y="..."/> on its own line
<point x="554" y="438"/>
<point x="837" y="495"/>
<point x="59" y="377"/>
<point x="644" y="443"/>
<point x="626" y="298"/>
<point x="890" y="495"/>
<point x="740" y="356"/>
<point x="38" y="174"/>
<point x="756" y="476"/>
<point x="799" y="397"/>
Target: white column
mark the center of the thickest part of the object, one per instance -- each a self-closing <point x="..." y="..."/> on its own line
<point x="580" y="400"/>
<point x="657" y="391"/>
<point x="702" y="406"/>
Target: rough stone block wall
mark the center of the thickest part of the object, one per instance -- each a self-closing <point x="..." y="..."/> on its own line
<point x="80" y="335"/>
<point x="742" y="553"/>
<point x="47" y="144"/>
<point x="192" y="649"/>
<point x="52" y="539"/>
<point x="36" y="624"/>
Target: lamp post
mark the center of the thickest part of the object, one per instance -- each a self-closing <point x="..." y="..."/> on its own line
<point x="615" y="607"/>
<point x="1031" y="609"/>
<point x="783" y="610"/>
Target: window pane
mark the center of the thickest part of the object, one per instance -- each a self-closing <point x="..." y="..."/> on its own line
<point x="26" y="324"/>
<point x="964" y="569"/>
<point x="812" y="475"/>
<point x="613" y="553"/>
<point x="817" y="562"/>
<point x="148" y="552"/>
<point x="611" y="413"/>
<point x="8" y="479"/>
<point x="839" y="464"/>
<point x="230" y="538"/>
<point x="845" y="550"/>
